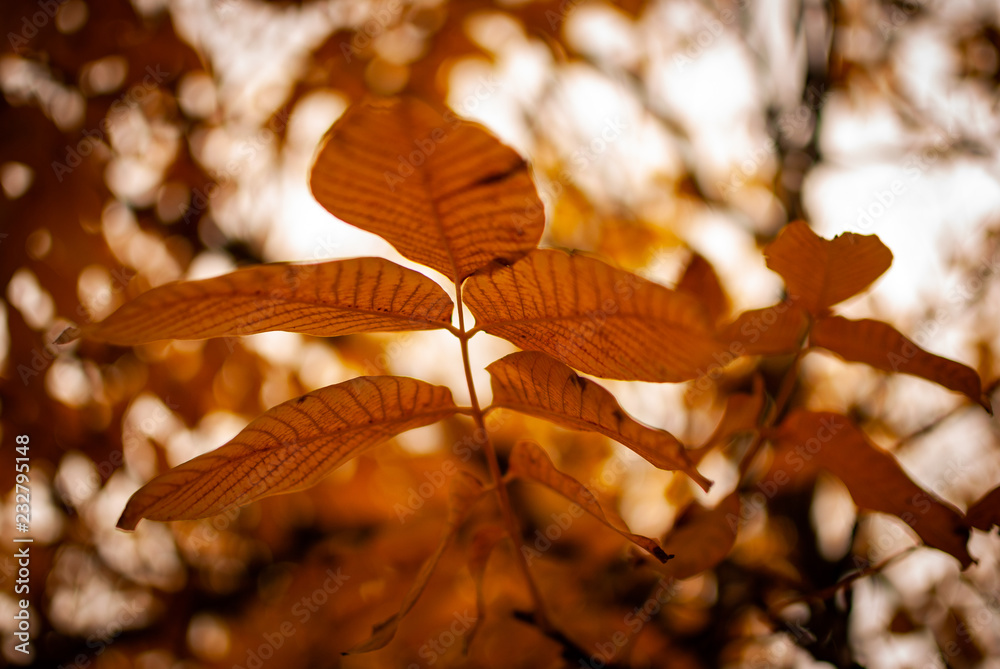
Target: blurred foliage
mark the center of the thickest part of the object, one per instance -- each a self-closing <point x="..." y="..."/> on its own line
<point x="147" y="142"/>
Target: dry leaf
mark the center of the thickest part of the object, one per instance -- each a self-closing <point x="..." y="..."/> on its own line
<point x="290" y="447"/>
<point x="806" y="440"/>
<point x="325" y="299"/>
<point x="595" y="318"/>
<point x="775" y="330"/>
<point x="702" y="538"/>
<point x="529" y="461"/>
<point x="535" y="384"/>
<point x="822" y="272"/>
<point x="443" y="191"/>
<point x="702" y="283"/>
<point x="464" y="491"/>
<point x="882" y="346"/>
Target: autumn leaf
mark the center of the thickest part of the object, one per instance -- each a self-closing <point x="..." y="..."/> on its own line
<point x="464" y="491"/>
<point x="882" y="346"/>
<point x="985" y="513"/>
<point x="775" y="330"/>
<point x="529" y="461"/>
<point x="807" y="440"/>
<point x="325" y="299"/>
<point x="443" y="191"/>
<point x="702" y="538"/>
<point x="535" y="384"/>
<point x="822" y="272"/>
<point x="702" y="283"/>
<point x="290" y="447"/>
<point x="595" y="318"/>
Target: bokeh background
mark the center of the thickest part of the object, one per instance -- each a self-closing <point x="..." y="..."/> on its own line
<point x="157" y="140"/>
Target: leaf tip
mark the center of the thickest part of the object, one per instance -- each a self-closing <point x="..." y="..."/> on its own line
<point x="128" y="521"/>
<point x="984" y="401"/>
<point x="662" y="555"/>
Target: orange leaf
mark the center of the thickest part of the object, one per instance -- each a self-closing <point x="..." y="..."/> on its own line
<point x="806" y="440"/>
<point x="702" y="538"/>
<point x="822" y="272"/>
<point x="443" y="191"/>
<point x="325" y="299"/>
<point x="773" y="330"/>
<point x="882" y="346"/>
<point x="595" y="318"/>
<point x="985" y="513"/>
<point x="290" y="447"/>
<point x="535" y="384"/>
<point x="701" y="282"/>
<point x="465" y="489"/>
<point x="529" y="461"/>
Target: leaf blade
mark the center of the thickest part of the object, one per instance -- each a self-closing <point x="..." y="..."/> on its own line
<point x="822" y="272"/>
<point x="533" y="383"/>
<point x="882" y="346"/>
<point x="874" y="477"/>
<point x="290" y="447"/>
<point x="443" y="191"/>
<point x="529" y="461"/>
<point x="323" y="299"/>
<point x="702" y="538"/>
<point x="594" y="317"/>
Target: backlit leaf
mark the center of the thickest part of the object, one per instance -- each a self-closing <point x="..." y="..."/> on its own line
<point x="443" y="191"/>
<point x="806" y="440"/>
<point x="290" y="447"/>
<point x="595" y="318"/>
<point x="701" y="282"/>
<point x="529" y="461"/>
<point x="774" y="330"/>
<point x="882" y="346"/>
<point x="535" y="384"/>
<point x="702" y="538"/>
<point x="822" y="272"/>
<point x="325" y="299"/>
<point x="464" y="491"/>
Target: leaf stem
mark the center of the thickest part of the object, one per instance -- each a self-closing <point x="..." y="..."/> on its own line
<point x="496" y="477"/>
